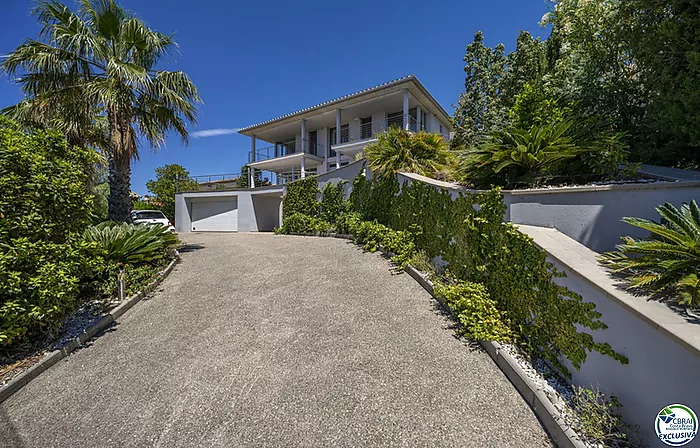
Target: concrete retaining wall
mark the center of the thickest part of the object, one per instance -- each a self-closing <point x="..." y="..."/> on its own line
<point x="662" y="345"/>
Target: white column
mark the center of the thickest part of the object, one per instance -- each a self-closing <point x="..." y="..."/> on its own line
<point x="292" y="172"/>
<point x="406" y="123"/>
<point x="251" y="170"/>
<point x="419" y="115"/>
<point x="304" y="138"/>
<point x="303" y="167"/>
<point x="338" y="116"/>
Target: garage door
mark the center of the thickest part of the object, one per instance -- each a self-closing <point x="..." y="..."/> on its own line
<point x="215" y="215"/>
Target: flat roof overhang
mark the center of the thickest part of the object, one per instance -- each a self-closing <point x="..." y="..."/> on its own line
<point x="352" y="148"/>
<point x="410" y="82"/>
<point x="287" y="162"/>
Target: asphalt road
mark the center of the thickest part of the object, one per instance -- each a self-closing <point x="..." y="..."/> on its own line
<point x="264" y="340"/>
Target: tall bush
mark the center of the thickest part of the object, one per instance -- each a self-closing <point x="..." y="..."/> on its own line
<point x="45" y="200"/>
<point x="301" y="197"/>
<point x="469" y="235"/>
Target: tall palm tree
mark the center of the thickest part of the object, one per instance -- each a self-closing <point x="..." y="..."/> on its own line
<point x="101" y="59"/>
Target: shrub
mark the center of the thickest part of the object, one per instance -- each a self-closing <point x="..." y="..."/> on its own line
<point x="469" y="235"/>
<point x="475" y="310"/>
<point x="599" y="420"/>
<point x="397" y="150"/>
<point x="132" y="243"/>
<point x="374" y="235"/>
<point x="332" y="201"/>
<point x="347" y="222"/>
<point x="301" y="197"/>
<point x="44" y="200"/>
<point x="544" y="153"/>
<point x="669" y="263"/>
<point x="136" y="278"/>
<point x="301" y="223"/>
<point x="516" y="157"/>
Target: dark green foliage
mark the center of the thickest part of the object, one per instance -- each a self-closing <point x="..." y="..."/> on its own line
<point x="668" y="263"/>
<point x="543" y="154"/>
<point x="469" y="234"/>
<point x="301" y="197"/>
<point x="374" y="235"/>
<point x="301" y="223"/>
<point x="633" y="65"/>
<point x="44" y="200"/>
<point x="169" y="178"/>
<point x="333" y="201"/>
<point x="480" y="109"/>
<point x="132" y="243"/>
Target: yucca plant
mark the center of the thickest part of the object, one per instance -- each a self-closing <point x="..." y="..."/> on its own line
<point x="520" y="156"/>
<point x="132" y="243"/>
<point x="669" y="262"/>
<point x="397" y="150"/>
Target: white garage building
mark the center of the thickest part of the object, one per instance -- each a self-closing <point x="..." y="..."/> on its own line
<point x="249" y="210"/>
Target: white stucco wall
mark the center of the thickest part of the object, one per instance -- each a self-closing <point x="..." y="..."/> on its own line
<point x="258" y="209"/>
<point x="592" y="215"/>
<point x="662" y="345"/>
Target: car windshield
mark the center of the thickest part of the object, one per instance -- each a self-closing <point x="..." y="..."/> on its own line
<point x="148" y="215"/>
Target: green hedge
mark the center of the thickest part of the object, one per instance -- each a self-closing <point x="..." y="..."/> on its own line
<point x="45" y="201"/>
<point x="301" y="197"/>
<point x="469" y="235"/>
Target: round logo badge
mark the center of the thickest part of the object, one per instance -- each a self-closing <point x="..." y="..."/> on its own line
<point x="676" y="425"/>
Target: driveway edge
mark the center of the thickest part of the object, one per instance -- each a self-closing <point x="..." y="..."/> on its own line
<point x="561" y="434"/>
<point x="51" y="358"/>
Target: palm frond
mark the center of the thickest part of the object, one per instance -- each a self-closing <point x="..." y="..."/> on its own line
<point x="669" y="262"/>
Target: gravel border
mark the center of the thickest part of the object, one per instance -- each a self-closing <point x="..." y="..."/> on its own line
<point x="51" y="358"/>
<point x="553" y="420"/>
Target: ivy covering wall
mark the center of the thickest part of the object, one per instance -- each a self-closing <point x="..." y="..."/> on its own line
<point x="493" y="258"/>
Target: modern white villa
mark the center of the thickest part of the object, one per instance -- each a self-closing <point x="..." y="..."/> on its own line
<point x="308" y="141"/>
<point x="317" y="140"/>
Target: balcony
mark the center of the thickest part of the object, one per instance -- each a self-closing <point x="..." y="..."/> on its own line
<point x="287" y="157"/>
<point x="368" y="133"/>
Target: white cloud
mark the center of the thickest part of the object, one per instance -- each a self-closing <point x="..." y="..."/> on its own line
<point x="213" y="132"/>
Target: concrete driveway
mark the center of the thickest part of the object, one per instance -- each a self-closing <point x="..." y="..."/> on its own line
<point x="264" y="340"/>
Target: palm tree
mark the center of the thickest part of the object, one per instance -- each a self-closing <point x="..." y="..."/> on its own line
<point x="397" y="150"/>
<point x="670" y="261"/>
<point x="101" y="60"/>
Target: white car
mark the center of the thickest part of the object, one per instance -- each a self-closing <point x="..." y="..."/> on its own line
<point x="151" y="217"/>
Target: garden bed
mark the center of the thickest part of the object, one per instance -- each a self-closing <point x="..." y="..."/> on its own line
<point x="78" y="324"/>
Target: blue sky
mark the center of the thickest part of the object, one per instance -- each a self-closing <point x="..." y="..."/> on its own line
<point x="257" y="60"/>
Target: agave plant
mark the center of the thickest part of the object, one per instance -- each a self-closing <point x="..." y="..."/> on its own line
<point x="397" y="150"/>
<point x="520" y="156"/>
<point x="131" y="243"/>
<point x="669" y="261"/>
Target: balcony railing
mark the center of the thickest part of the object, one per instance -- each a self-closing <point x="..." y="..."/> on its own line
<point x="223" y="182"/>
<point x="285" y="149"/>
<point x="370" y="130"/>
